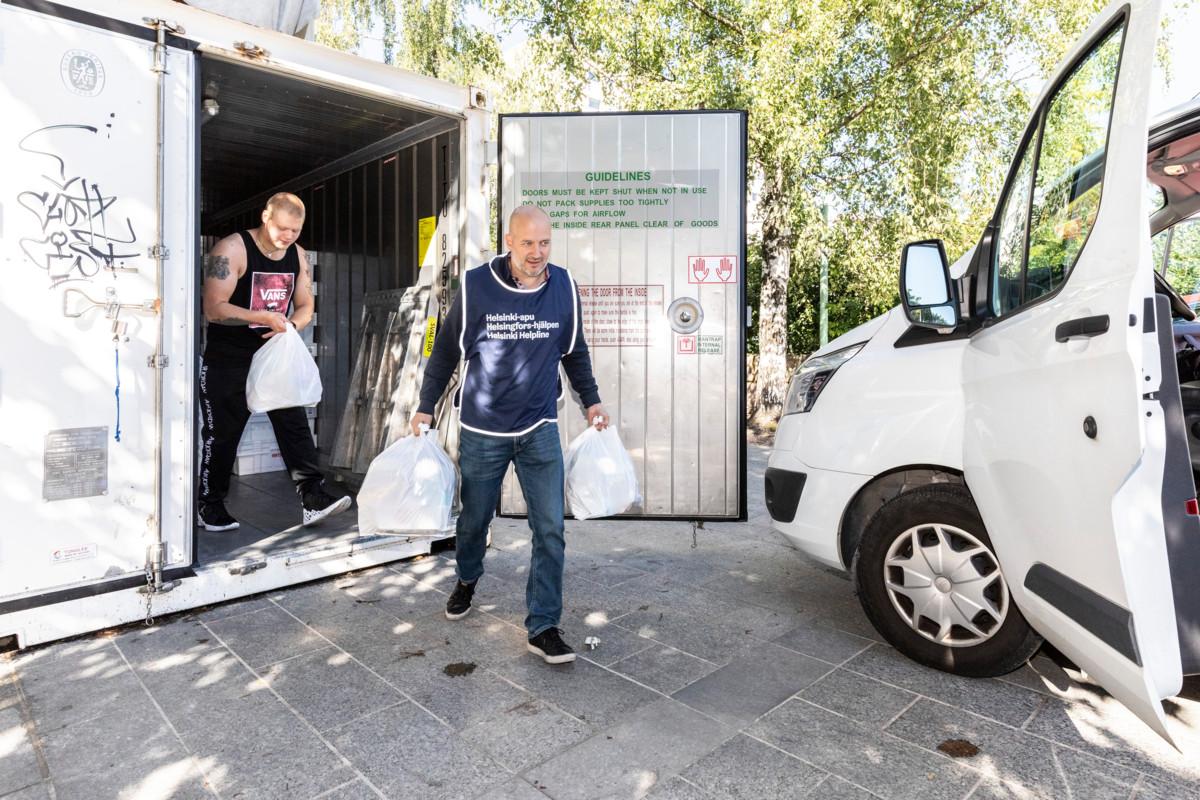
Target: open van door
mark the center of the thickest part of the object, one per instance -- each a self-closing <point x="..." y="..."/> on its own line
<point x="1064" y="441"/>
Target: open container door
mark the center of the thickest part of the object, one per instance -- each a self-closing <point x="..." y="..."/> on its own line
<point x="80" y="311"/>
<point x="1064" y="441"/>
<point x="647" y="211"/>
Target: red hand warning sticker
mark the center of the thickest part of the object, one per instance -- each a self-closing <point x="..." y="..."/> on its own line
<point x="712" y="269"/>
<point x="685" y="345"/>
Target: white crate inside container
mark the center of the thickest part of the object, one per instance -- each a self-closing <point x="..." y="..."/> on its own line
<point x="255" y="463"/>
<point x="258" y="439"/>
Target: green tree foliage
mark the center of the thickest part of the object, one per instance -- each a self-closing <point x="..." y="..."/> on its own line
<point x="431" y="37"/>
<point x="901" y="115"/>
<point x="1183" y="264"/>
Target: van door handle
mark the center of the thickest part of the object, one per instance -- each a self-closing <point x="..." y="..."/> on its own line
<point x="1082" y="327"/>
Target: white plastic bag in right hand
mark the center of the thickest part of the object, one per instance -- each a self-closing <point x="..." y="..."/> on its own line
<point x="408" y="487"/>
<point x="283" y="374"/>
<point x="601" y="480"/>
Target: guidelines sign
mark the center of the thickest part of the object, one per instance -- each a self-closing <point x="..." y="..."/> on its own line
<point x="647" y="211"/>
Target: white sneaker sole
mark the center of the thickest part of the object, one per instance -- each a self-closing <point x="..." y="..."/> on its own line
<point x="232" y="526"/>
<point x="458" y="616"/>
<point x="565" y="658"/>
<point x="337" y="508"/>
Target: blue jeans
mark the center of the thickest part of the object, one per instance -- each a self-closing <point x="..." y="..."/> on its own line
<point x="483" y="461"/>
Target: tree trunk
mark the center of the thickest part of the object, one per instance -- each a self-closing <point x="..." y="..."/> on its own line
<point x="767" y="392"/>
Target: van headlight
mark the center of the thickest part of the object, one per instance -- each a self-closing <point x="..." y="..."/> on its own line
<point x="811" y="378"/>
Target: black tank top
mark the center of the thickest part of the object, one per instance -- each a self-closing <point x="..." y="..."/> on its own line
<point x="267" y="285"/>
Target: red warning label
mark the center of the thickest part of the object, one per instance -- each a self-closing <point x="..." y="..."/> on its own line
<point x="712" y="269"/>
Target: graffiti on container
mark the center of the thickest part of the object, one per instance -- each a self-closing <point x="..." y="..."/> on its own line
<point x="80" y="231"/>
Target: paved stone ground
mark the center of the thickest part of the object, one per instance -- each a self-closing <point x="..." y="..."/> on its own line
<point x="735" y="669"/>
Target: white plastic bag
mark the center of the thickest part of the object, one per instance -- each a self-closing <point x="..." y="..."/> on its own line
<point x="283" y="374"/>
<point x="409" y="487"/>
<point x="601" y="480"/>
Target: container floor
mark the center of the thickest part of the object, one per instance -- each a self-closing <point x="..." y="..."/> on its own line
<point x="268" y="509"/>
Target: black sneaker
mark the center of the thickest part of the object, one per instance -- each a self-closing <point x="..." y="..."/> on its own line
<point x="549" y="645"/>
<point x="214" y="517"/>
<point x="459" y="604"/>
<point x="318" y="505"/>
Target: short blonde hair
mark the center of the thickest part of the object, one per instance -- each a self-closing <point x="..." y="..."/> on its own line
<point x="284" y="201"/>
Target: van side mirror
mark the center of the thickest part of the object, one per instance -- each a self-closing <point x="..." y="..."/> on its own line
<point x="929" y="296"/>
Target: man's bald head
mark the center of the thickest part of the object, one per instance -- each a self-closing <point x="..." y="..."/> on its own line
<point x="527" y="213"/>
<point x="528" y="241"/>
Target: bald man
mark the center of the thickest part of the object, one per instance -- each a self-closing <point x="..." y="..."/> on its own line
<point x="512" y="323"/>
<point x="251" y="279"/>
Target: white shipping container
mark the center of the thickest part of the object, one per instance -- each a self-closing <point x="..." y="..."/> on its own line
<point x="137" y="133"/>
<point x="122" y="137"/>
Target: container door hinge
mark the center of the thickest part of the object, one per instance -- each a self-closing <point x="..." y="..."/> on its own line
<point x="250" y="50"/>
<point x="158" y="251"/>
<point x="158" y="362"/>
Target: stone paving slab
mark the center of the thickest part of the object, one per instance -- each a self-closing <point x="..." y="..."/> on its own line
<point x="328" y="688"/>
<point x="627" y="759"/>
<point x="584" y="690"/>
<point x="664" y="669"/>
<point x="38" y="791"/>
<point x="265" y="636"/>
<point x="752" y="684"/>
<point x="19" y="766"/>
<point x="883" y="764"/>
<point x="747" y="769"/>
<point x="813" y="638"/>
<point x="405" y="752"/>
<point x="1005" y="702"/>
<point x="858" y="697"/>
<point x="527" y="733"/>
<point x="1011" y="761"/>
<point x="732" y="669"/>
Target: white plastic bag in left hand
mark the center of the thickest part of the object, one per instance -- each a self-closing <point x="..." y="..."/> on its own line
<point x="283" y="374"/>
<point x="601" y="480"/>
<point x="409" y="487"/>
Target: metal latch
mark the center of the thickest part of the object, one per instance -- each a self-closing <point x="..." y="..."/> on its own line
<point x="111" y="304"/>
<point x="158" y="251"/>
<point x="158" y="361"/>
<point x="246" y="567"/>
<point x="250" y="50"/>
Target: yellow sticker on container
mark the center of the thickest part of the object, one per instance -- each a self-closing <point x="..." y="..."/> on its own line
<point x="426" y="227"/>
<point x="430" y="333"/>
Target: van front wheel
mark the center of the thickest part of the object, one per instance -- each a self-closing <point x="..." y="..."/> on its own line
<point x="929" y="581"/>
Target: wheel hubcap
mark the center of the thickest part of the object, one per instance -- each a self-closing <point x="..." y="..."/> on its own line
<point x="946" y="585"/>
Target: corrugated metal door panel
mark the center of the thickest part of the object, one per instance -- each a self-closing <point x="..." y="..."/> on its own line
<point x="677" y="397"/>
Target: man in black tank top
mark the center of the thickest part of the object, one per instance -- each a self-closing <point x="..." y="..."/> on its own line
<point x="250" y="280"/>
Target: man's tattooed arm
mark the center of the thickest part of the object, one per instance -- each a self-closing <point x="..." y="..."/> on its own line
<point x="216" y="267"/>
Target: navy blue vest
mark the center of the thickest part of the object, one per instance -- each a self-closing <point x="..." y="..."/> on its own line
<point x="512" y="341"/>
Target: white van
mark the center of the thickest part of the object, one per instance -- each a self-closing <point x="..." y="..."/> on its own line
<point x="1004" y="457"/>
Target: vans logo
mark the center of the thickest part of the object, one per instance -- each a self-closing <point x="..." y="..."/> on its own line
<point x="271" y="291"/>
